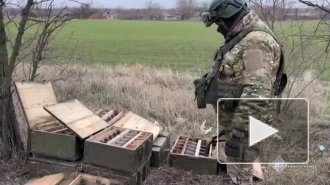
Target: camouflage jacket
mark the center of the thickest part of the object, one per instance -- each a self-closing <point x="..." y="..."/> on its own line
<point x="253" y="64"/>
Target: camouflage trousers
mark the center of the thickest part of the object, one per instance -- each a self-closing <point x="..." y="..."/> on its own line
<point x="239" y="173"/>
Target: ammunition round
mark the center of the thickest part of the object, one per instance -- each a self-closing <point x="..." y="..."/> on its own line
<point x="110" y="137"/>
<point x="121" y="143"/>
<point x="189" y="152"/>
<point x="191" y="148"/>
<point x="118" y="132"/>
<point x="114" y="134"/>
<point x="106" y="140"/>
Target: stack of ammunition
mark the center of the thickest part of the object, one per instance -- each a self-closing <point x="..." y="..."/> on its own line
<point x="130" y="152"/>
<point x="68" y="137"/>
<point x="110" y="116"/>
<point x="192" y="154"/>
<point x="161" y="144"/>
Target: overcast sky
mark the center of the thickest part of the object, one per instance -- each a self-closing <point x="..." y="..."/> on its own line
<point x="130" y="3"/>
<point x="142" y="3"/>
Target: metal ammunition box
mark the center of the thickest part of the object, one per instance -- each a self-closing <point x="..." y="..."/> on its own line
<point x="136" y="178"/>
<point x="40" y="167"/>
<point x="192" y="154"/>
<point x="80" y="178"/>
<point x="55" y="140"/>
<point x="118" y="149"/>
<point x="160" y="150"/>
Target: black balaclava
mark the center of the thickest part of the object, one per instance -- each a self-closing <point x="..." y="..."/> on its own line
<point x="228" y="24"/>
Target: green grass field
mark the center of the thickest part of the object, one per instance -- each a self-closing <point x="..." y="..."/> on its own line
<point x="185" y="46"/>
<point x="180" y="45"/>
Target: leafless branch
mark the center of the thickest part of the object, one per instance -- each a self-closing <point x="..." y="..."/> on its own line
<point x="309" y="3"/>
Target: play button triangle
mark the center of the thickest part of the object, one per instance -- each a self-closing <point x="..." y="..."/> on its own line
<point x="259" y="131"/>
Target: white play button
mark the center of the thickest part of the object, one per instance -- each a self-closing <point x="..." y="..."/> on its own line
<point x="259" y="131"/>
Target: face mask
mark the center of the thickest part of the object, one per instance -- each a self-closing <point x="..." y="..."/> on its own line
<point x="222" y="28"/>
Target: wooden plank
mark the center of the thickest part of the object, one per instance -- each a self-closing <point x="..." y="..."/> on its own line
<point x="77" y="118"/>
<point x="199" y="144"/>
<point x="185" y="146"/>
<point x="136" y="122"/>
<point x="47" y="180"/>
<point x="33" y="97"/>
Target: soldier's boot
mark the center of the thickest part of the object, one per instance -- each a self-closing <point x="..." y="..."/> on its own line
<point x="240" y="173"/>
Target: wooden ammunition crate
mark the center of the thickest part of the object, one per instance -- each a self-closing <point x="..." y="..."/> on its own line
<point x="54" y="140"/>
<point x="46" y="135"/>
<point x="118" y="149"/>
<point x="81" y="178"/>
<point x="64" y="138"/>
<point x="192" y="154"/>
<point x="131" y="120"/>
<point x="40" y="167"/>
<point x="160" y="150"/>
<point x="135" y="178"/>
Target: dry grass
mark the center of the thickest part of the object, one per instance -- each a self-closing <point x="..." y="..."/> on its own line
<point x="167" y="96"/>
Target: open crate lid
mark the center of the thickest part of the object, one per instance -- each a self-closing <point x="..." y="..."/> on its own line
<point x="133" y="121"/>
<point x="33" y="96"/>
<point x="53" y="179"/>
<point x="74" y="115"/>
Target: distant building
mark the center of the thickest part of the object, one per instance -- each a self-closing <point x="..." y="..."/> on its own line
<point x="169" y="17"/>
<point x="109" y="15"/>
<point x="196" y="17"/>
<point x="302" y="14"/>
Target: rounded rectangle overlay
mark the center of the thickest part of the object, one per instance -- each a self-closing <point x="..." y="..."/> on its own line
<point x="288" y="140"/>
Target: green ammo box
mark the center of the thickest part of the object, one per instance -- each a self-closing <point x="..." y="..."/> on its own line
<point x="160" y="150"/>
<point x="135" y="178"/>
<point x="40" y="167"/>
<point x="65" y="140"/>
<point x="44" y="135"/>
<point x="54" y="140"/>
<point x="118" y="149"/>
<point x="192" y="154"/>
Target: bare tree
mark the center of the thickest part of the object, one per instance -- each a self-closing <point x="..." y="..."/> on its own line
<point x="154" y="10"/>
<point x="50" y="23"/>
<point x="186" y="8"/>
<point x="306" y="47"/>
<point x="7" y="65"/>
<point x="316" y="5"/>
<point x="271" y="11"/>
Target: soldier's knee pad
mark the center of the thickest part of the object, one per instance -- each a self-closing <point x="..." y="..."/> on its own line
<point x="237" y="147"/>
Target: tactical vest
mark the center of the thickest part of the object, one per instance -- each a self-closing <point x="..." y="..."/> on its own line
<point x="208" y="90"/>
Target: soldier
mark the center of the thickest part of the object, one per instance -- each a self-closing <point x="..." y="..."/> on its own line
<point x="249" y="65"/>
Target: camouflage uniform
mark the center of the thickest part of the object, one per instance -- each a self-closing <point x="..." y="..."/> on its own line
<point x="253" y="64"/>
